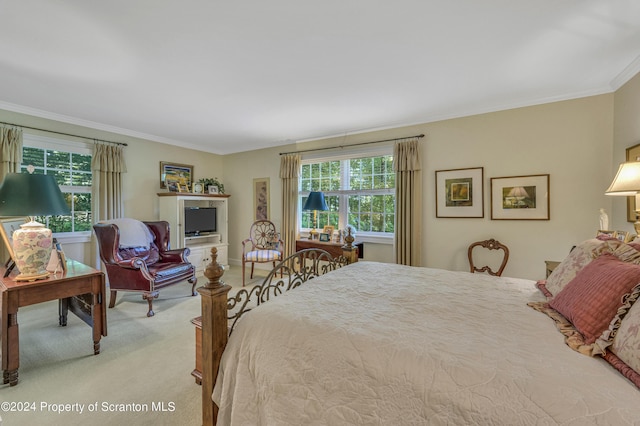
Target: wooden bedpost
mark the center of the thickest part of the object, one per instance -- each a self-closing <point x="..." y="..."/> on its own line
<point x="214" y="333"/>
<point x="348" y="250"/>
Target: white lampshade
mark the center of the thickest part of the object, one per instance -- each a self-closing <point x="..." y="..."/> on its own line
<point x="627" y="180"/>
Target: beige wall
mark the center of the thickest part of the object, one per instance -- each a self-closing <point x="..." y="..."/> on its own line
<point x="626" y="134"/>
<point x="142" y="180"/>
<point x="573" y="141"/>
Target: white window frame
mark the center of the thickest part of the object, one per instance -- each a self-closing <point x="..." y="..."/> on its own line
<point x="47" y="142"/>
<point x="348" y="154"/>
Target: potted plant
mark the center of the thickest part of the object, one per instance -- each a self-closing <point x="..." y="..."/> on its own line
<point x="206" y="182"/>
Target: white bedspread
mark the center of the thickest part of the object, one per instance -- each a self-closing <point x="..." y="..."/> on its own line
<point x="383" y="344"/>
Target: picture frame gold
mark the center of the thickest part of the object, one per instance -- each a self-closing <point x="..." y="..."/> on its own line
<point x="632" y="154"/>
<point x="622" y="236"/>
<point x="520" y="197"/>
<point x="261" y="198"/>
<point x="328" y="229"/>
<point x="198" y="188"/>
<point x="180" y="173"/>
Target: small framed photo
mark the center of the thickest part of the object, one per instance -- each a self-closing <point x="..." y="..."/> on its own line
<point x="459" y="193"/>
<point x="325" y="237"/>
<point x="520" y="197"/>
<point x="622" y="236"/>
<point x="213" y="189"/>
<point x="181" y="173"/>
<point x="197" y="188"/>
<point x="328" y="230"/>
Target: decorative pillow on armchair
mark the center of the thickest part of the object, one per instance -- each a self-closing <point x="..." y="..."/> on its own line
<point x="150" y="254"/>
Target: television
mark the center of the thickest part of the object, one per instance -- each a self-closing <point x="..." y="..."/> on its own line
<point x="199" y="220"/>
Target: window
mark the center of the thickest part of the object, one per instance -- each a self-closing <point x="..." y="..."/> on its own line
<point x="70" y="165"/>
<point x="359" y="191"/>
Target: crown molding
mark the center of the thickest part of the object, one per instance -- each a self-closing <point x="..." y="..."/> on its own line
<point x="96" y="126"/>
<point x="627" y="74"/>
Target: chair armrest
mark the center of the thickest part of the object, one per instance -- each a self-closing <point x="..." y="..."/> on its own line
<point x="248" y="240"/>
<point x="175" y="255"/>
<point x="133" y="263"/>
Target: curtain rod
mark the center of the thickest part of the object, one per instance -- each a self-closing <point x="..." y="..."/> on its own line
<point x="355" y="144"/>
<point x="62" y="133"/>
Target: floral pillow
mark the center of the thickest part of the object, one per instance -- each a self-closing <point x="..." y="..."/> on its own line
<point x="577" y="259"/>
<point x="626" y="342"/>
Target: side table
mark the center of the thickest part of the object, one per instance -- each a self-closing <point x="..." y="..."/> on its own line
<point x="334" y="249"/>
<point x="81" y="290"/>
<point x="550" y="266"/>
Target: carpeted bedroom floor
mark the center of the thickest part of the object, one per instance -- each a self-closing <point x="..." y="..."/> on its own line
<point x="141" y="377"/>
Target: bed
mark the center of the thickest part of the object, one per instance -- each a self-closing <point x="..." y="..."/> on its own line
<point x="375" y="343"/>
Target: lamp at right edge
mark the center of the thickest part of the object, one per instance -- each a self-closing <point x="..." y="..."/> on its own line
<point x="627" y="183"/>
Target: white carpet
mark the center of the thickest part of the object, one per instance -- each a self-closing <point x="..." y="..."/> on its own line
<point x="144" y="366"/>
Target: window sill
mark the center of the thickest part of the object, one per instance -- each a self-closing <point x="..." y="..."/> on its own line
<point x="361" y="238"/>
<point x="73" y="237"/>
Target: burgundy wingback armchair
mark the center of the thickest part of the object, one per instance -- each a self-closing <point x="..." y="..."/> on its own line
<point x="143" y="269"/>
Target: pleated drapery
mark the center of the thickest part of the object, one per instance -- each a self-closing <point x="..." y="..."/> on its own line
<point x="10" y="159"/>
<point x="289" y="172"/>
<point x="408" y="226"/>
<point x="10" y="150"/>
<point x="107" y="166"/>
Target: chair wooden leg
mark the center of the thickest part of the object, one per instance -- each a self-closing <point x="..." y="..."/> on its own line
<point x="149" y="296"/>
<point x="252" y="264"/>
<point x="193" y="280"/>
<point x="243" y="272"/>
<point x="112" y="300"/>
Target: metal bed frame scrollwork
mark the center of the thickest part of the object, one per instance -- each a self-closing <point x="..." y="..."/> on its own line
<point x="293" y="271"/>
<point x="221" y="314"/>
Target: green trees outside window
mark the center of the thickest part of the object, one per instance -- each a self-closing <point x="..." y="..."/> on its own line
<point x="358" y="191"/>
<point x="72" y="172"/>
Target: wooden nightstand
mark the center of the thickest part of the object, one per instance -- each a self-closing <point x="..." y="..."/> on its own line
<point x="551" y="265"/>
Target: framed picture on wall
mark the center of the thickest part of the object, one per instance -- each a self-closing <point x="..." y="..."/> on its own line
<point x="179" y="173"/>
<point x="261" y="198"/>
<point x="520" y="197"/>
<point x="633" y="154"/>
<point x="459" y="193"/>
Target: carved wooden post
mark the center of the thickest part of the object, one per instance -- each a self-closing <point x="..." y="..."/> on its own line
<point x="214" y="333"/>
<point x="348" y="250"/>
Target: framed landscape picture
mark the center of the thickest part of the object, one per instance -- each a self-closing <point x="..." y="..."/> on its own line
<point x="459" y="193"/>
<point x="520" y="197"/>
<point x="178" y="174"/>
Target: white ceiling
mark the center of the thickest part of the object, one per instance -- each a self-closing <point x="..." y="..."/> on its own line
<point x="230" y="76"/>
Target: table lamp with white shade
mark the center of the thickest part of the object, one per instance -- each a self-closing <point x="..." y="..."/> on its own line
<point x="627" y="183"/>
<point x="28" y="194"/>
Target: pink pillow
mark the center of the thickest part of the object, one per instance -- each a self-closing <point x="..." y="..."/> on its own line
<point x="591" y="299"/>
